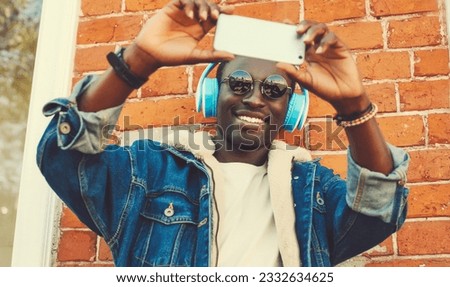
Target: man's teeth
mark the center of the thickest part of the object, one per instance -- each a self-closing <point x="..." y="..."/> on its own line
<point x="251" y="120"/>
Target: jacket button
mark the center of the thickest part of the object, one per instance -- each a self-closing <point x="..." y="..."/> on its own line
<point x="64" y="128"/>
<point x="319" y="199"/>
<point x="296" y="177"/>
<point x="169" y="211"/>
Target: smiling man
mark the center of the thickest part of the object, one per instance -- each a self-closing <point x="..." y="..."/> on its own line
<point x="240" y="198"/>
<point x="248" y="115"/>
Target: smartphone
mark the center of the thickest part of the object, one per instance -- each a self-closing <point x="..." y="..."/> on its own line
<point x="259" y="39"/>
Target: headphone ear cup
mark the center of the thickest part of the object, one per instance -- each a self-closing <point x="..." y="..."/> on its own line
<point x="297" y="111"/>
<point x="207" y="93"/>
<point x="210" y="91"/>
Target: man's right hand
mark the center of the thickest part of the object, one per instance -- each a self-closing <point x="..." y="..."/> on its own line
<point x="171" y="36"/>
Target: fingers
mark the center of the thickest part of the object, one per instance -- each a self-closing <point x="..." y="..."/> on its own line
<point x="301" y="76"/>
<point x="317" y="35"/>
<point x="304" y="25"/>
<point x="208" y="56"/>
<point x="314" y="32"/>
<point x="329" y="40"/>
<point x="229" y="9"/>
<point x="202" y="10"/>
<point x="187" y="7"/>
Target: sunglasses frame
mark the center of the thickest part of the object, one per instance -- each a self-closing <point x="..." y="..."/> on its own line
<point x="227" y="79"/>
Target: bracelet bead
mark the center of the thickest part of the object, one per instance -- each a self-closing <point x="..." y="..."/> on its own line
<point x="369" y="113"/>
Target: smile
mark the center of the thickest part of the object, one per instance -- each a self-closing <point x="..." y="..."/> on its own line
<point x="251" y="120"/>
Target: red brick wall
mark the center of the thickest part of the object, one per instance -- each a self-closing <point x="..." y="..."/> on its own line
<point x="402" y="51"/>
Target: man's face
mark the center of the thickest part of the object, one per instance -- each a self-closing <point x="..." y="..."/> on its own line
<point x="252" y="120"/>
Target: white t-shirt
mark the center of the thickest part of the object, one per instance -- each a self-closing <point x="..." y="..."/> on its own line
<point x="246" y="234"/>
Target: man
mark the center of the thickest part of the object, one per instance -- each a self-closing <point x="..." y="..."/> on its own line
<point x="240" y="198"/>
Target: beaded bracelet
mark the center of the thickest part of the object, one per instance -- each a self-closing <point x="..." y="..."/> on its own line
<point x="360" y="120"/>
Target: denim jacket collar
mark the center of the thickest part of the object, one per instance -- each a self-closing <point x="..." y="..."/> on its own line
<point x="201" y="145"/>
<point x="281" y="156"/>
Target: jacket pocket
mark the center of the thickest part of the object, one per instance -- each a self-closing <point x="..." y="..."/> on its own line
<point x="168" y="232"/>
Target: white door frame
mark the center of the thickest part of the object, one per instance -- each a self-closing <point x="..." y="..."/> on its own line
<point x="52" y="77"/>
<point x="447" y="9"/>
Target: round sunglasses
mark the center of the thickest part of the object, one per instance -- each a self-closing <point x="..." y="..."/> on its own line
<point x="241" y="83"/>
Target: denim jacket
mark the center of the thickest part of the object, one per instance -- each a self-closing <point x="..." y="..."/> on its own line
<point x="154" y="202"/>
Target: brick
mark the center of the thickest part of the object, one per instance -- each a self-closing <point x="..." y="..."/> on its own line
<point x="431" y="62"/>
<point x="319" y="108"/>
<point x="296" y="138"/>
<point x="422" y="262"/>
<point x="380" y="66"/>
<point x="109" y="30"/>
<point x="144" y="5"/>
<point x="329" y="10"/>
<point x="84" y="264"/>
<point x="70" y="220"/>
<point x="385" y="248"/>
<point x="424" y="95"/>
<point x="166" y="81"/>
<point x="415" y="32"/>
<point x="326" y="136"/>
<point x="424" y="237"/>
<point x="92" y="59"/>
<point x="429" y="165"/>
<point x="397" y="7"/>
<point x="439" y="128"/>
<point x="100" y="7"/>
<point x="229" y="2"/>
<point x="104" y="253"/>
<point x="337" y="162"/>
<point x="429" y="200"/>
<point x="383" y="95"/>
<point x="77" y="246"/>
<point x="360" y="35"/>
<point x="172" y="111"/>
<point x="403" y="130"/>
<point x="272" y="11"/>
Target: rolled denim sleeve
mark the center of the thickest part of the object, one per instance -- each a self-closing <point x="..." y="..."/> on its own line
<point x="375" y="194"/>
<point x="86" y="132"/>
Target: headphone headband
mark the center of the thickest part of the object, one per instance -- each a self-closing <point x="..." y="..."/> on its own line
<point x="200" y="86"/>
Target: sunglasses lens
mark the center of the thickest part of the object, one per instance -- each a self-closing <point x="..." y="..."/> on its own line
<point x="240" y="82"/>
<point x="274" y="86"/>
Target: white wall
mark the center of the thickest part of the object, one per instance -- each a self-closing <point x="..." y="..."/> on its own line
<point x="52" y="78"/>
<point x="447" y="7"/>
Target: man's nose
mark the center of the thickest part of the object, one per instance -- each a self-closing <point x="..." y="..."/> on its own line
<point x="255" y="98"/>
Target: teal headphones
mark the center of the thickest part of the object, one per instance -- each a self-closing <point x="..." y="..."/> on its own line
<point x="208" y="93"/>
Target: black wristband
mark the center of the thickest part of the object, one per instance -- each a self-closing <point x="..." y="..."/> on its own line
<point x="123" y="71"/>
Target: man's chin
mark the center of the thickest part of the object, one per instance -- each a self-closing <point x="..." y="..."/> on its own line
<point x="251" y="142"/>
